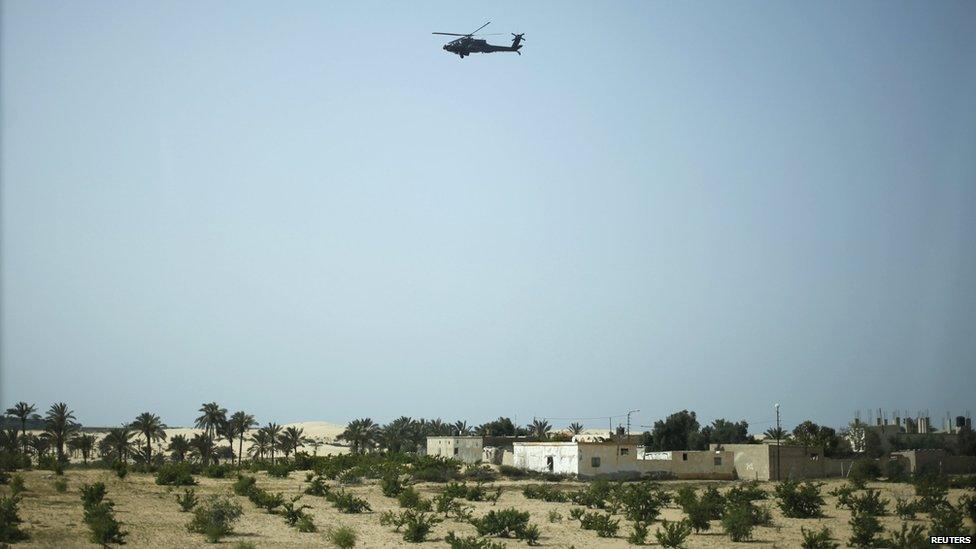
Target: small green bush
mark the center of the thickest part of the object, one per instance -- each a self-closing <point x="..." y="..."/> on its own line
<point x="348" y="503"/>
<point x="638" y="536"/>
<point x="104" y="528"/>
<point x="555" y="516"/>
<point x="215" y="470"/>
<point x="738" y="521"/>
<point x="279" y="470"/>
<point x="480" y="473"/>
<point x="214" y="518"/>
<point x="306" y="525"/>
<point x="391" y="485"/>
<point x="749" y="491"/>
<point x="17" y="485"/>
<point x="92" y="494"/>
<point x="641" y="502"/>
<point x="188" y="500"/>
<point x="844" y="493"/>
<point x="417" y="524"/>
<point x="512" y="472"/>
<point x="342" y="537"/>
<point x="292" y="512"/>
<point x="800" y="500"/>
<point x="905" y="509"/>
<point x="175" y="474"/>
<point x="121" y="469"/>
<point x="595" y="496"/>
<point x="865" y="529"/>
<point x="869" y="503"/>
<point x="946" y="521"/>
<point x="470" y="542"/>
<point x="932" y="491"/>
<point x="603" y="524"/>
<point x="503" y="523"/>
<point x="410" y="498"/>
<point x="818" y="539"/>
<point x="968" y="505"/>
<point x="60" y="485"/>
<point x="317" y="486"/>
<point x="244" y="485"/>
<point x="10" y="520"/>
<point x="267" y="500"/>
<point x="907" y="538"/>
<point x="673" y="534"/>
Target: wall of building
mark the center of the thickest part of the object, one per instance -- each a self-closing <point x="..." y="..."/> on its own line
<point x="702" y="465"/>
<point x="466" y="449"/>
<point x="759" y="462"/>
<point x="554" y="457"/>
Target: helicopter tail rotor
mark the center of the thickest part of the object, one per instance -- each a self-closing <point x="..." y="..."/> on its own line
<point x="517" y="42"/>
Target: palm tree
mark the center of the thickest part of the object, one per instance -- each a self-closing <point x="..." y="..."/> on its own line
<point x="316" y="443"/>
<point x="259" y="444"/>
<point x="540" y="428"/>
<point x="22" y="411"/>
<point x="9" y="440"/>
<point x="777" y="433"/>
<point x="399" y="435"/>
<point x="151" y="427"/>
<point x="273" y="431"/>
<point x="361" y="435"/>
<point x="291" y="439"/>
<point x="241" y="422"/>
<point x="40" y="444"/>
<point x="60" y="423"/>
<point x="83" y="443"/>
<point x="212" y="415"/>
<point x="203" y="446"/>
<point x="178" y="447"/>
<point x="461" y="428"/>
<point x="118" y="442"/>
<point x="576" y="428"/>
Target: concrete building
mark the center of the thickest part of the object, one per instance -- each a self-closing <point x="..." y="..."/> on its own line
<point x="466" y="449"/>
<point x="772" y="462"/>
<point x="621" y="460"/>
<point x="917" y="461"/>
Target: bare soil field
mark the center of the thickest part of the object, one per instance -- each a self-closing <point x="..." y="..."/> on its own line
<point x="152" y="517"/>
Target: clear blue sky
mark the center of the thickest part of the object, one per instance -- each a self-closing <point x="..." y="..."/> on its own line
<point x="308" y="210"/>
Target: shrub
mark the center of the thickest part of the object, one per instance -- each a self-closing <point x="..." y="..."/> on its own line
<point x="818" y="539"/>
<point x="699" y="516"/>
<point x="864" y="470"/>
<point x="530" y="534"/>
<point x="932" y="490"/>
<point x="293" y="513"/>
<point x="470" y="542"/>
<point x="317" y="487"/>
<point x="435" y="469"/>
<point x="348" y="503"/>
<point x="865" y="530"/>
<point x="410" y="498"/>
<point x="391" y="485"/>
<point x="894" y="471"/>
<point x="737" y="521"/>
<point x="639" y="535"/>
<point x="673" y="534"/>
<point x="445" y="503"/>
<point x="100" y="518"/>
<point x="214" y="518"/>
<point x="188" y="500"/>
<point x="10" y="520"/>
<point x="306" y="525"/>
<point x="642" y="502"/>
<point x="843" y="494"/>
<point x="279" y="470"/>
<point x="505" y="523"/>
<point x="215" y="470"/>
<point x="92" y="494"/>
<point x="555" y="516"/>
<point x="121" y="469"/>
<point x="543" y="492"/>
<point x="244" y="485"/>
<point x="963" y="482"/>
<point x="342" y="537"/>
<point x="417" y="524"/>
<point x="946" y="521"/>
<point x="481" y="473"/>
<point x="602" y="524"/>
<point x="869" y="503"/>
<point x="594" y="496"/>
<point x="968" y="505"/>
<point x="17" y="485"/>
<point x="60" y="485"/>
<point x="266" y="500"/>
<point x="175" y="474"/>
<point x="749" y="491"/>
<point x="905" y="509"/>
<point x="907" y="538"/>
<point x="512" y="472"/>
<point x="799" y="500"/>
<point x="351" y="477"/>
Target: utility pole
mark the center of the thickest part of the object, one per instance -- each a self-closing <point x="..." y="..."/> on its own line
<point x="778" y="432"/>
<point x="628" y="422"/>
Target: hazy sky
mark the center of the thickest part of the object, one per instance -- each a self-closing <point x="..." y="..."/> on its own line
<point x="308" y="210"/>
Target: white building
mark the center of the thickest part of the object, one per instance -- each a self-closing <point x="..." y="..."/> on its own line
<point x="466" y="449"/>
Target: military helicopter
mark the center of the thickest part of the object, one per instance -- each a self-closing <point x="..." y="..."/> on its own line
<point x="468" y="44"/>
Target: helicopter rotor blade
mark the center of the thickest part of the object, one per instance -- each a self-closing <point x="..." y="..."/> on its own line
<point x="479" y="28"/>
<point x="450" y="34"/>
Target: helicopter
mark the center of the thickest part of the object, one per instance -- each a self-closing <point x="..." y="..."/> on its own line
<point x="468" y="44"/>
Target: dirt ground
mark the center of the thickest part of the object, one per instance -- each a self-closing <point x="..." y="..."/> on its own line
<point x="152" y="517"/>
